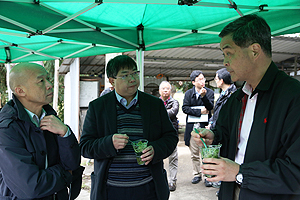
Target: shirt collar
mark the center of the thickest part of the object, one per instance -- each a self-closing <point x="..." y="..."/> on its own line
<point x="34" y="118"/>
<point x="165" y="100"/>
<point x="123" y="101"/>
<point x="247" y="89"/>
<point x="196" y="93"/>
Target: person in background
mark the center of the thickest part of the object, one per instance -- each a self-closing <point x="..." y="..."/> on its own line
<point x="39" y="154"/>
<point x="111" y="120"/>
<point x="199" y="95"/>
<point x="107" y="90"/>
<point x="223" y="81"/>
<point x="172" y="107"/>
<point x="258" y="126"/>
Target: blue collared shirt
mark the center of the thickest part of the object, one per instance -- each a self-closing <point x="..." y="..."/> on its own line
<point x="197" y="93"/>
<point x="123" y="101"/>
<point x="36" y="120"/>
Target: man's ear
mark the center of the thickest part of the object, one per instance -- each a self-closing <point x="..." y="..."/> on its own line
<point x="19" y="91"/>
<point x="256" y="50"/>
<point x="112" y="81"/>
<point x="222" y="81"/>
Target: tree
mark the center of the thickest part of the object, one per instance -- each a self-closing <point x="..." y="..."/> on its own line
<point x="3" y="85"/>
<point x="50" y="67"/>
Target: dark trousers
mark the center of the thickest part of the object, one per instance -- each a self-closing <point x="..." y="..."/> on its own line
<point x="145" y="192"/>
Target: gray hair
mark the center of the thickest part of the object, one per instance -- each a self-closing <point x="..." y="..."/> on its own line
<point x="163" y="83"/>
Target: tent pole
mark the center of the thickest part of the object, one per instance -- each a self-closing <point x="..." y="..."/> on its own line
<point x="140" y="64"/>
<point x="295" y="65"/>
<point x="101" y="29"/>
<point x="8" y="68"/>
<point x="285" y="29"/>
<point x="29" y="54"/>
<point x="70" y="17"/>
<point x="56" y="81"/>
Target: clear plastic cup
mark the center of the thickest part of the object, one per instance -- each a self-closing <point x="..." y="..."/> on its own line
<point x="139" y="146"/>
<point x="212" y="151"/>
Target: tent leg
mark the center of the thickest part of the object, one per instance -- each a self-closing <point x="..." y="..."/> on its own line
<point x="8" y="68"/>
<point x="55" y="92"/>
<point x="140" y="64"/>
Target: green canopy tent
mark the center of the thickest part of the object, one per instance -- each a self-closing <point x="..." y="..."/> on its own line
<point x="33" y="30"/>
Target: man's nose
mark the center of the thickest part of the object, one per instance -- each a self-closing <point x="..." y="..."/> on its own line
<point x="49" y="85"/>
<point x="225" y="62"/>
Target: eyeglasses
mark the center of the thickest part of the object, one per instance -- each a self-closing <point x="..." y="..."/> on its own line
<point x="201" y="79"/>
<point x="129" y="76"/>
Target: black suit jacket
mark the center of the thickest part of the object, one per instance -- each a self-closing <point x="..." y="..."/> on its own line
<point x="100" y="125"/>
<point x="271" y="168"/>
<point x="190" y="100"/>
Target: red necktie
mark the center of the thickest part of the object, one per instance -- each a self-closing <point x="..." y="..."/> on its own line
<point x="244" y="103"/>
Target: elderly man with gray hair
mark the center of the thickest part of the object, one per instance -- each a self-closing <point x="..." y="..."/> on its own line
<point x="172" y="107"/>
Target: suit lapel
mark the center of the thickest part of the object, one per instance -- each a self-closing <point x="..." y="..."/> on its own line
<point x="145" y="113"/>
<point x="111" y="112"/>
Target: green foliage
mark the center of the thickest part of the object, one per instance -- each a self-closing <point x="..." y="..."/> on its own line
<point x="182" y="85"/>
<point x="50" y="67"/>
<point x="186" y="85"/>
<point x="3" y="86"/>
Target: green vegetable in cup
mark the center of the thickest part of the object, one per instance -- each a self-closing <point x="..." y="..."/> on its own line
<point x="212" y="151"/>
<point x="139" y="146"/>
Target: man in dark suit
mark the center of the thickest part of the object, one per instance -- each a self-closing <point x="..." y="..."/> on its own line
<point x="117" y="117"/>
<point x="198" y="96"/>
<point x="258" y="126"/>
<point x="39" y="154"/>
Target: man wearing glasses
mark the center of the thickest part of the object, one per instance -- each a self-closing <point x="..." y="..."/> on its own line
<point x="197" y="104"/>
<point x="123" y="115"/>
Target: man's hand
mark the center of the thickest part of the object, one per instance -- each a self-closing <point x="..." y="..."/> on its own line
<point x="54" y="125"/>
<point x="223" y="168"/>
<point x="207" y="135"/>
<point x="148" y="155"/>
<point x="204" y="111"/>
<point x="208" y="126"/>
<point x="203" y="92"/>
<point x="120" y="141"/>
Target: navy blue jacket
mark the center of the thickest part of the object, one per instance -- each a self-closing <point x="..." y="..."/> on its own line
<point x="220" y="102"/>
<point x="101" y="123"/>
<point x="191" y="100"/>
<point x="23" y="154"/>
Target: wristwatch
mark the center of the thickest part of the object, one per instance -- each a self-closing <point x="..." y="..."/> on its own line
<point x="239" y="178"/>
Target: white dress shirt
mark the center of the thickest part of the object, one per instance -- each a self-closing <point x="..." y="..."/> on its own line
<point x="246" y="124"/>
